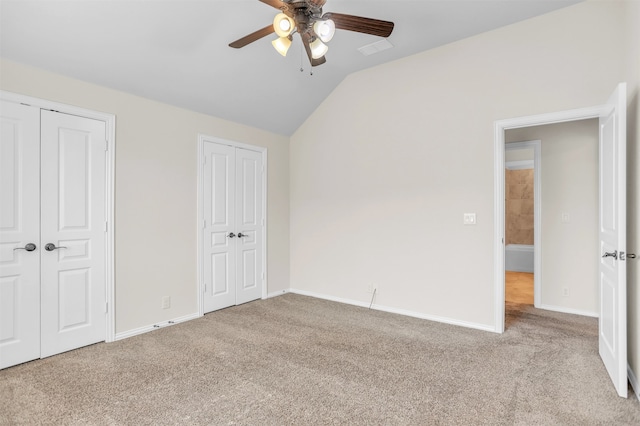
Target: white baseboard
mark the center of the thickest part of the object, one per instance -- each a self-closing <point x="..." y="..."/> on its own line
<point x="277" y="293"/>
<point x="568" y="310"/>
<point x="392" y="310"/>
<point x="148" y="328"/>
<point x="634" y="382"/>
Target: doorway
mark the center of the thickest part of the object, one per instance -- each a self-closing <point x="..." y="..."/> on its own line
<point x="522" y="221"/>
<point x="612" y="328"/>
<point x="232" y="218"/>
<point x="56" y="246"/>
<point x="567" y="269"/>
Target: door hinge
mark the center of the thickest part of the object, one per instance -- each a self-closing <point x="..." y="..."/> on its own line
<point x="205" y="288"/>
<point x="106" y="145"/>
<point x="204" y="160"/>
<point x="106" y="307"/>
<point x="204" y="223"/>
<point x="106" y="227"/>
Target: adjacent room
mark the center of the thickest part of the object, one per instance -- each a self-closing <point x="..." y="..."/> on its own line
<point x="320" y="212"/>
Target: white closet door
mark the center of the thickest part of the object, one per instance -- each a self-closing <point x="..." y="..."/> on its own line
<point x="19" y="226"/>
<point x="220" y="234"/>
<point x="249" y="225"/>
<point x="233" y="226"/>
<point x="73" y="233"/>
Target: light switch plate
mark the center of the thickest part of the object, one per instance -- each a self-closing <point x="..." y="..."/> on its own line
<point x="469" y="219"/>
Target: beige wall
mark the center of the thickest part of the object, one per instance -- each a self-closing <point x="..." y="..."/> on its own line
<point x="155" y="192"/>
<point x="570" y="252"/>
<point x="384" y="169"/>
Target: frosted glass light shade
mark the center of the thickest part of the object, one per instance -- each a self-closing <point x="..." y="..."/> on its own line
<point x="282" y="45"/>
<point x="318" y="48"/>
<point x="324" y="30"/>
<point x="283" y="25"/>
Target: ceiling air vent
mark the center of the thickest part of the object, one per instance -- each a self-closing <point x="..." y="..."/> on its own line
<point x="376" y="47"/>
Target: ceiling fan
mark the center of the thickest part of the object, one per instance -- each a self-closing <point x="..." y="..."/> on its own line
<point x="305" y="17"/>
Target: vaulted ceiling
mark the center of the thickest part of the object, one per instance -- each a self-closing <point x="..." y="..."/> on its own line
<point x="177" y="51"/>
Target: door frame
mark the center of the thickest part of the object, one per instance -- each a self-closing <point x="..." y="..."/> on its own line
<point x="534" y="145"/>
<point x="202" y="139"/>
<point x="110" y="126"/>
<point x="500" y="126"/>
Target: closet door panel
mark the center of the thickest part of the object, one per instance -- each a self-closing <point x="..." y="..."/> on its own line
<point x="219" y="227"/>
<point x="19" y="227"/>
<point x="249" y="217"/>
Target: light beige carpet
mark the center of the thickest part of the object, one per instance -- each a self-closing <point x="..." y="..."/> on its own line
<point x="295" y="360"/>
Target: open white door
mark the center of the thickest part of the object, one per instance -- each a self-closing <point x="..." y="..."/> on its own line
<point x="613" y="269"/>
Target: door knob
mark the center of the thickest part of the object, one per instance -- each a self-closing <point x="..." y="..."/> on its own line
<point x="614" y="254"/>
<point x="240" y="235"/>
<point x="631" y="256"/>
<point x="28" y="247"/>
<point x="231" y="235"/>
<point x="52" y="247"/>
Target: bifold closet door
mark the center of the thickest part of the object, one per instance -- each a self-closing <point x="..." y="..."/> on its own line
<point x="52" y="233"/>
<point x="232" y="211"/>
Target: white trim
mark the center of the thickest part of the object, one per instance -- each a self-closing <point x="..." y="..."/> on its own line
<point x="500" y="126"/>
<point x="392" y="310"/>
<point x="635" y="385"/>
<point x="519" y="164"/>
<point x="565" y="310"/>
<point x="110" y="126"/>
<point x="521" y="247"/>
<point x="202" y="139"/>
<point x="277" y="293"/>
<point x="152" y="327"/>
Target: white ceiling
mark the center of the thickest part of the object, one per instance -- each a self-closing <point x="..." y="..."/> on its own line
<point x="177" y="51"/>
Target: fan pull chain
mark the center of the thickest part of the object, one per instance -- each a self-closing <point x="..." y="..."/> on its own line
<point x="302" y="62"/>
<point x="301" y="69"/>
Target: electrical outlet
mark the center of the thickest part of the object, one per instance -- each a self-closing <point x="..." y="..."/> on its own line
<point x="166" y="302"/>
<point x="565" y="292"/>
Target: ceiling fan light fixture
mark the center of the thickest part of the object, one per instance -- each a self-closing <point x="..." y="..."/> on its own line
<point x="283" y="25"/>
<point x="324" y="29"/>
<point x="318" y="48"/>
<point x="282" y="45"/>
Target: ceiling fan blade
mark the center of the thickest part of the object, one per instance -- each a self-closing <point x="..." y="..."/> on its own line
<point x="278" y="4"/>
<point x="306" y="40"/>
<point x="252" y="37"/>
<point x="360" y="24"/>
